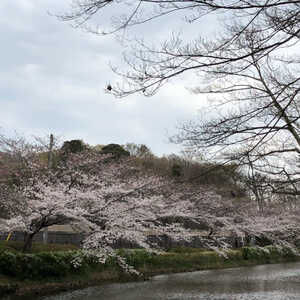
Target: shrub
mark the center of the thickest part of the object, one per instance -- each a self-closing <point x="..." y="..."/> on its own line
<point x="43" y="264"/>
<point x="176" y="170"/>
<point x="9" y="263"/>
<point x="136" y="258"/>
<point x="269" y="254"/>
<point x="254" y="253"/>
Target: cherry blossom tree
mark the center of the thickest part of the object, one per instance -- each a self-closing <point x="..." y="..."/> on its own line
<point x="109" y="199"/>
<point x="99" y="194"/>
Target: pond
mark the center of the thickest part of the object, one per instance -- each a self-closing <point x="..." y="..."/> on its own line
<point x="280" y="281"/>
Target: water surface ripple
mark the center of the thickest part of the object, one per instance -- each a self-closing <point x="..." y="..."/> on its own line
<point x="267" y="282"/>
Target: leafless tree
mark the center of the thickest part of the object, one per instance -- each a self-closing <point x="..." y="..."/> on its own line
<point x="250" y="68"/>
<point x="254" y="119"/>
<point x="149" y="67"/>
<point x="16" y="150"/>
<point x="138" y="150"/>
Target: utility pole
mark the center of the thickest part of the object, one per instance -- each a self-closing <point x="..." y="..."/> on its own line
<point x="50" y="152"/>
<point x="50" y="165"/>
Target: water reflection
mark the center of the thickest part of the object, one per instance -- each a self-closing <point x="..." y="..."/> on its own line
<point x="276" y="282"/>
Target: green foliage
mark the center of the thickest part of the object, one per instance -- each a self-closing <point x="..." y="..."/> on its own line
<point x="137" y="258"/>
<point x="9" y="263"/>
<point x="269" y="254"/>
<point x="42" y="265"/>
<point x="176" y="170"/>
<point x="254" y="253"/>
<point x="180" y="259"/>
<point x="116" y="150"/>
<point x="62" y="264"/>
<point x="188" y="261"/>
<point x="73" y="146"/>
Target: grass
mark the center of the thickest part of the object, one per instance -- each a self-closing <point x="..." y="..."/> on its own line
<point x="36" y="247"/>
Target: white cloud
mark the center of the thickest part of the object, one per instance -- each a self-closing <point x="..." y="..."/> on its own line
<point x="52" y="79"/>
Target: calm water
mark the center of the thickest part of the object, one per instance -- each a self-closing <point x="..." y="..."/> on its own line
<point x="281" y="281"/>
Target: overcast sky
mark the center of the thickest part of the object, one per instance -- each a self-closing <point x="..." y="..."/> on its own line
<point x="53" y="78"/>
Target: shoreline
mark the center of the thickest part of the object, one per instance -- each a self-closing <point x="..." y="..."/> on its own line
<point x="161" y="264"/>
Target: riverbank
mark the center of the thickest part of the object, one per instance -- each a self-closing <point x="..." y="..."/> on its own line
<point x="173" y="261"/>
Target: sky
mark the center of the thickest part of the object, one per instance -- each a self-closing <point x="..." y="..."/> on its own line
<point x="53" y="79"/>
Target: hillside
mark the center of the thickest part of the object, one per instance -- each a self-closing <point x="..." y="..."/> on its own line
<point x="112" y="196"/>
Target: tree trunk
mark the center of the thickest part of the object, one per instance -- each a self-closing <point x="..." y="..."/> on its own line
<point x="28" y="241"/>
